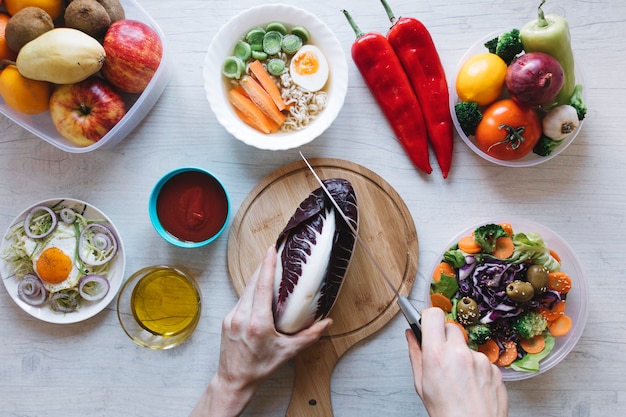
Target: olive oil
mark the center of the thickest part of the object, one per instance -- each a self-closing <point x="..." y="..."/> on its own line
<point x="165" y="303"/>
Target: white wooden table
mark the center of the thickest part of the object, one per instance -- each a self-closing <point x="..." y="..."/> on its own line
<point x="94" y="369"/>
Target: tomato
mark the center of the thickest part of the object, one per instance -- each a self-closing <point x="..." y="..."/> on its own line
<point x="508" y="130"/>
<point x="481" y="78"/>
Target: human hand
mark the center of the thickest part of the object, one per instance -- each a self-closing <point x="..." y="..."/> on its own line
<point x="251" y="348"/>
<point x="450" y="378"/>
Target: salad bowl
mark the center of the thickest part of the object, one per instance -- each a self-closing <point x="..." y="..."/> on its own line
<point x="576" y="299"/>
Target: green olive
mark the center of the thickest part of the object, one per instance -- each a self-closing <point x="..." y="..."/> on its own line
<point x="467" y="311"/>
<point x="537" y="275"/>
<point x="520" y="291"/>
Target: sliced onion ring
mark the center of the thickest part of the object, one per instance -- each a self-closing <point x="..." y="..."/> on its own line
<point x="29" y="218"/>
<point x="93" y="287"/>
<point x="97" y="244"/>
<point x="31" y="290"/>
<point x="64" y="301"/>
<point x="67" y="215"/>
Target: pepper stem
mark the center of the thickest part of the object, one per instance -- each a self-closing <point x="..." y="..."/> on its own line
<point x="541" y="18"/>
<point x="390" y="14"/>
<point x="357" y="31"/>
<point x="513" y="138"/>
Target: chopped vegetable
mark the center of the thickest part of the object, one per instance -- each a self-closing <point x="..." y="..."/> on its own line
<point x="93" y="287"/>
<point x="262" y="99"/>
<point x="233" y="67"/>
<point x="479" y="333"/>
<point x="291" y="43"/>
<point x="272" y="42"/>
<point x="250" y="112"/>
<point x="469" y="245"/>
<point x="530" y="324"/>
<point x="491" y="349"/>
<point x="486" y="236"/>
<point x="276" y="66"/>
<point x="441" y="301"/>
<point x="302" y="33"/>
<point x="508" y="355"/>
<point x="507" y="45"/>
<point x="561" y="326"/>
<point x="268" y="85"/>
<point x="243" y="50"/>
<point x="443" y="268"/>
<point x="276" y="26"/>
<point x="534" y="344"/>
<point x="559" y="281"/>
<point x="469" y="116"/>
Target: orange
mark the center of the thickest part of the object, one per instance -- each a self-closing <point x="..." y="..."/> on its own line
<point x="23" y="94"/>
<point x="53" y="7"/>
<point x="5" y="51"/>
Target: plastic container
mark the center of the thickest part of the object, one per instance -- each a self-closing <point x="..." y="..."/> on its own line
<point x="576" y="302"/>
<point x="216" y="214"/>
<point x="138" y="105"/>
<point x="529" y="160"/>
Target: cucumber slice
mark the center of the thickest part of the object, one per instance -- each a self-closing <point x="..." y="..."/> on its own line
<point x="272" y="42"/>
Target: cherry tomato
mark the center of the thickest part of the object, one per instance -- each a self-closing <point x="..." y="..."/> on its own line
<point x="480" y="78"/>
<point x="508" y="130"/>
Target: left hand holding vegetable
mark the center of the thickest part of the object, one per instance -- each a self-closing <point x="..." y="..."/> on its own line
<point x="251" y="348"/>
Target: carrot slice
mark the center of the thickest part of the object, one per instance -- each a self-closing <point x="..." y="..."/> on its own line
<point x="555" y="255"/>
<point x="509" y="355"/>
<point x="250" y="113"/>
<point x="561" y="326"/>
<point x="441" y="301"/>
<point x="490" y="349"/>
<point x="262" y="99"/>
<point x="268" y="84"/>
<point x="559" y="281"/>
<point x="443" y="268"/>
<point x="460" y="326"/>
<point x="533" y="345"/>
<point x="507" y="228"/>
<point x="504" y="247"/>
<point x="554" y="313"/>
<point x="468" y="245"/>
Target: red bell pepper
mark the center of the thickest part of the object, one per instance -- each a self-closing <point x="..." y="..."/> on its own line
<point x="384" y="76"/>
<point x="416" y="50"/>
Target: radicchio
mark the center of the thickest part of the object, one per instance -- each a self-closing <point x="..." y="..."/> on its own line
<point x="314" y="251"/>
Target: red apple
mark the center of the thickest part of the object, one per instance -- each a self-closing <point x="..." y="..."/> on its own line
<point x="86" y="111"/>
<point x="133" y="54"/>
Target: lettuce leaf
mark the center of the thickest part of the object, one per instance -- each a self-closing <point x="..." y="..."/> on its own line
<point x="531" y="247"/>
<point x="530" y="361"/>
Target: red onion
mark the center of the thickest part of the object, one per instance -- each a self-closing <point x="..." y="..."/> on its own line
<point x="534" y="78"/>
<point x="31" y="290"/>
<point x="93" y="287"/>
<point x="97" y="244"/>
<point x="64" y="301"/>
<point x="33" y="218"/>
<point x="67" y="215"/>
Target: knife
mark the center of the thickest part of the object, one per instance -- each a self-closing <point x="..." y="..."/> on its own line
<point x="411" y="314"/>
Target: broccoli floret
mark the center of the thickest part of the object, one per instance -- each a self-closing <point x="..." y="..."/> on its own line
<point x="545" y="146"/>
<point x="577" y="102"/>
<point x="530" y="324"/>
<point x="469" y="116"/>
<point x="507" y="45"/>
<point x="487" y="235"/>
<point x="478" y="333"/>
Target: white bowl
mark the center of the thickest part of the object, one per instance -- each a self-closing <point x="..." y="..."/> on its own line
<point x="222" y="46"/>
<point x="529" y="160"/>
<point x="87" y="309"/>
<point x="138" y="105"/>
<point x="576" y="305"/>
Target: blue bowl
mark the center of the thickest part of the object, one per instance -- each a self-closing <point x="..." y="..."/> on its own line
<point x="181" y="203"/>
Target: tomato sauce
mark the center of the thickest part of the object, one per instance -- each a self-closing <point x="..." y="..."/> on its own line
<point x="192" y="206"/>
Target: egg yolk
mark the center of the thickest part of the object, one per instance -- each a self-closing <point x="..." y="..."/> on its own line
<point x="306" y="63"/>
<point x="53" y="266"/>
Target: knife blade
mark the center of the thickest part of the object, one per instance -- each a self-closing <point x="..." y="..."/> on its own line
<point x="411" y="314"/>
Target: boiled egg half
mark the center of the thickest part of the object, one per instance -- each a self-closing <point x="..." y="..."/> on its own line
<point x="309" y="68"/>
<point x="54" y="262"/>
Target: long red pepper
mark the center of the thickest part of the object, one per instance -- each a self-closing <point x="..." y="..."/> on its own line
<point x="383" y="74"/>
<point x="416" y="50"/>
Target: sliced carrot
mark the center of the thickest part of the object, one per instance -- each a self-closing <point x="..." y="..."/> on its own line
<point x="509" y="355"/>
<point x="554" y="313"/>
<point x="561" y="326"/>
<point x="507" y="228"/>
<point x="445" y="269"/>
<point x="268" y="84"/>
<point x="460" y="326"/>
<point x="261" y="98"/>
<point x="441" y="301"/>
<point x="250" y="113"/>
<point x="504" y="247"/>
<point x="555" y="255"/>
<point x="559" y="281"/>
<point x="491" y="349"/>
<point x="468" y="245"/>
<point x="533" y="345"/>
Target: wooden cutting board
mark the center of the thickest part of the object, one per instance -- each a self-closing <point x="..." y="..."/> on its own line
<point x="365" y="303"/>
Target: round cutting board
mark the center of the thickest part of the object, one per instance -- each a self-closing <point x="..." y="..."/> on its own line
<point x="365" y="303"/>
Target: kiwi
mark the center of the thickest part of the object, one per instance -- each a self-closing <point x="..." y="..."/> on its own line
<point x="114" y="8"/>
<point x="26" y="25"/>
<point x="88" y="16"/>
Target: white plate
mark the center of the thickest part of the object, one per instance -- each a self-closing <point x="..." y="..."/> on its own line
<point x="576" y="304"/>
<point x="532" y="158"/>
<point x="222" y="46"/>
<point x="87" y="309"/>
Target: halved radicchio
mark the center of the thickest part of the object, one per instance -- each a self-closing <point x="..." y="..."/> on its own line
<point x="314" y="251"/>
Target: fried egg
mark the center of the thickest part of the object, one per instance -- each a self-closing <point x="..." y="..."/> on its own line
<point x="309" y="68"/>
<point x="53" y="261"/>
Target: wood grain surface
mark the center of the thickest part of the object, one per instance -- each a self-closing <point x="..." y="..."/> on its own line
<point x="365" y="302"/>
